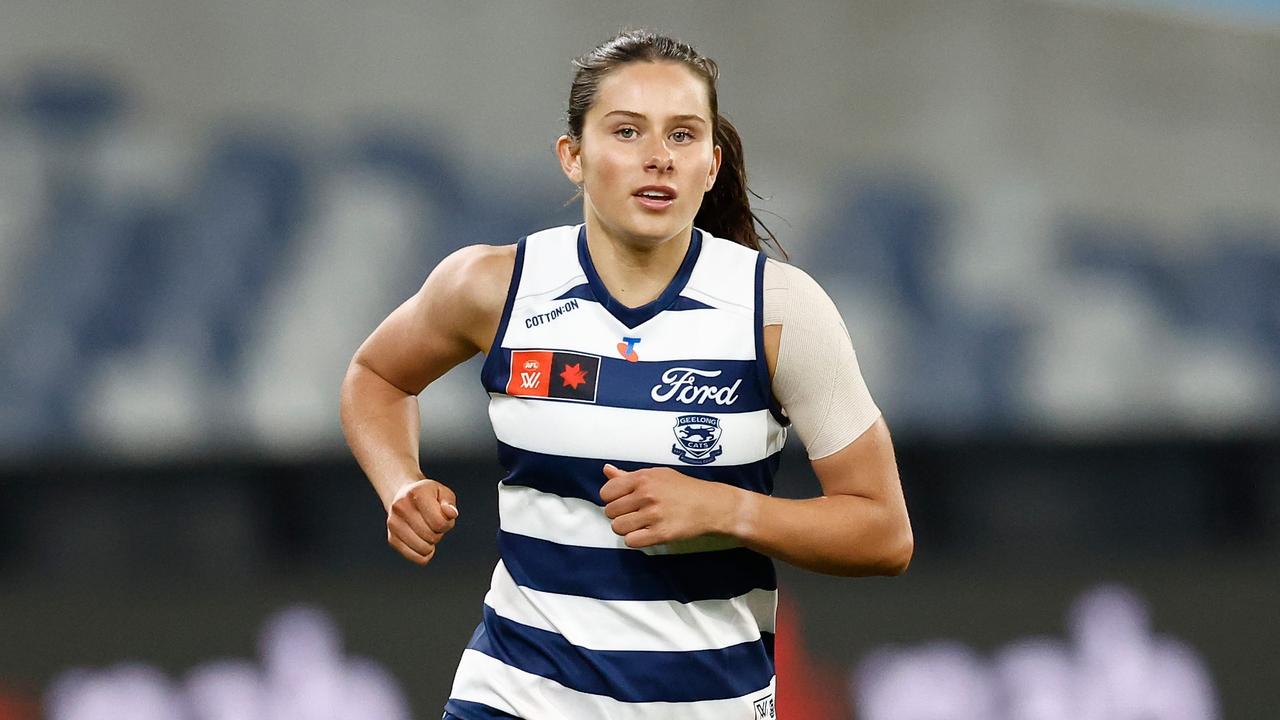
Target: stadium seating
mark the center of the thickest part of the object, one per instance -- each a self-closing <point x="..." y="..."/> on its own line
<point x="216" y="296"/>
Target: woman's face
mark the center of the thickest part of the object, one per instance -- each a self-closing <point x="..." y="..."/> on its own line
<point x="647" y="155"/>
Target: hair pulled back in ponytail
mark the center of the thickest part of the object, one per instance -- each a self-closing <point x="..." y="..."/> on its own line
<point x="726" y="208"/>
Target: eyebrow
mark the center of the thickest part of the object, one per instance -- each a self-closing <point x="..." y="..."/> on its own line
<point x="677" y="118"/>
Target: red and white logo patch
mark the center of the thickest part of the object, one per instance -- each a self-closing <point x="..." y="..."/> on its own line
<point x="554" y="374"/>
<point x="530" y="373"/>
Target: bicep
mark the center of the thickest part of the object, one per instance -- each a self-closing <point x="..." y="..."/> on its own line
<point x="442" y="325"/>
<point x="865" y="467"/>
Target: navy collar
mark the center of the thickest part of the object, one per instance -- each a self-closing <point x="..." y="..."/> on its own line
<point x="629" y="316"/>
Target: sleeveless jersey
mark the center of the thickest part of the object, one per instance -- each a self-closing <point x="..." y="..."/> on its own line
<point x="576" y="625"/>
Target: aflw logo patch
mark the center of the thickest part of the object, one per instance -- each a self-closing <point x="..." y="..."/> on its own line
<point x="553" y="374"/>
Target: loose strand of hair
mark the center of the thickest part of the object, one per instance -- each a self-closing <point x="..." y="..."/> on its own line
<point x="726" y="210"/>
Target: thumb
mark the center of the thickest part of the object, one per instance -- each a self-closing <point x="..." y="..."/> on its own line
<point x="448" y="501"/>
<point x="611" y="472"/>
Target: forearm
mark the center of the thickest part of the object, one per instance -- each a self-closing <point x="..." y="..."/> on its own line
<point x="382" y="426"/>
<point x="837" y="535"/>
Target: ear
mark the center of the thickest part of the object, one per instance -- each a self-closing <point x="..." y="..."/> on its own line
<point x="715" y="169"/>
<point x="570" y="154"/>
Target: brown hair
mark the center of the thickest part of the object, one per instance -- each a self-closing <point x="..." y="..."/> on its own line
<point x="726" y="208"/>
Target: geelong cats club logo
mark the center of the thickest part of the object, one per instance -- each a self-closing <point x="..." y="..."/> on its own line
<point x="697" y="439"/>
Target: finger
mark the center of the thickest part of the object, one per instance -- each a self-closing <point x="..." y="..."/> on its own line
<point x="408" y="536"/>
<point x="409" y="553"/>
<point x="623" y="505"/>
<point x="409" y="514"/>
<point x="644" y="537"/>
<point x="611" y="471"/>
<point x="432" y="513"/>
<point x="630" y="523"/>
<point x="617" y="487"/>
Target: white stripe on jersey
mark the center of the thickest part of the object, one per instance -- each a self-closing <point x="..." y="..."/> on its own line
<point x="572" y="521"/>
<point x="485" y="680"/>
<point x="656" y="625"/>
<point x="583" y="430"/>
<point x="720" y="332"/>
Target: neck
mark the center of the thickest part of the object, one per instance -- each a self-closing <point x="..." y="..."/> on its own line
<point x="635" y="270"/>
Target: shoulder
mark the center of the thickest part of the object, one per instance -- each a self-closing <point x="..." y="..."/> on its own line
<point x="474" y="276"/>
<point x="466" y="292"/>
<point x="480" y="263"/>
<point x="790" y="292"/>
<point x="487" y="270"/>
<point x="795" y="301"/>
<point x="783" y="276"/>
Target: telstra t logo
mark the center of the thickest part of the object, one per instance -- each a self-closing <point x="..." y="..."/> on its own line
<point x="627" y="349"/>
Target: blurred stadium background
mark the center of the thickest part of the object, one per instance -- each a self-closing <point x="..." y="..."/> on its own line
<point x="1053" y="229"/>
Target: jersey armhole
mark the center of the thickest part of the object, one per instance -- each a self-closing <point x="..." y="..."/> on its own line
<point x="762" y="362"/>
<point x="496" y="363"/>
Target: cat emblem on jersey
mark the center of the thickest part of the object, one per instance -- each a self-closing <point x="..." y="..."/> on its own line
<point x="697" y="439"/>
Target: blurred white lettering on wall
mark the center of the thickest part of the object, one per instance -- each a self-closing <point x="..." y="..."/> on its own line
<point x="1112" y="668"/>
<point x="303" y="675"/>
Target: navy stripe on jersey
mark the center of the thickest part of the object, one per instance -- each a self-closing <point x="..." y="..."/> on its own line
<point x="632" y="384"/>
<point x="762" y="362"/>
<point x="688" y="303"/>
<point x="467" y="710"/>
<point x="629" y="316"/>
<point x="609" y="574"/>
<point x="582" y="478"/>
<point x="583" y="292"/>
<point x="626" y="675"/>
<point x="490" y="361"/>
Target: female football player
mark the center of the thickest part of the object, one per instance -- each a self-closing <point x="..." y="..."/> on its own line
<point x="643" y="370"/>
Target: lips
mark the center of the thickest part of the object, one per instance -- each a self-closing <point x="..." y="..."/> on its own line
<point x="655" y="197"/>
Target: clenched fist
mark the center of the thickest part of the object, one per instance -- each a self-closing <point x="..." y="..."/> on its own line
<point x="419" y="516"/>
<point x="651" y="506"/>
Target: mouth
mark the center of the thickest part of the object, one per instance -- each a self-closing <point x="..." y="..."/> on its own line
<point x="655" y="197"/>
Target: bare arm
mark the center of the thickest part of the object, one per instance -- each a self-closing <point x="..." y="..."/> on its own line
<point x="451" y="318"/>
<point x="858" y="526"/>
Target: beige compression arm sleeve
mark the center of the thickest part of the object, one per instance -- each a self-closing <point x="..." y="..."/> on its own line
<point x="817" y="379"/>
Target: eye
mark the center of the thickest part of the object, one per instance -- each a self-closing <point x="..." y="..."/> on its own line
<point x="626" y="133"/>
<point x="682" y="136"/>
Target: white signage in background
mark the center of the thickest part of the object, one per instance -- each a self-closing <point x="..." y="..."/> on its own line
<point x="1113" y="668"/>
<point x="303" y="676"/>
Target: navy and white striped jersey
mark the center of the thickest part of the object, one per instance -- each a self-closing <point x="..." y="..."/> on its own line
<point x="576" y="625"/>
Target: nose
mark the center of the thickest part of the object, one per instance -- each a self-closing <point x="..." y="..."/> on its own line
<point x="661" y="160"/>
